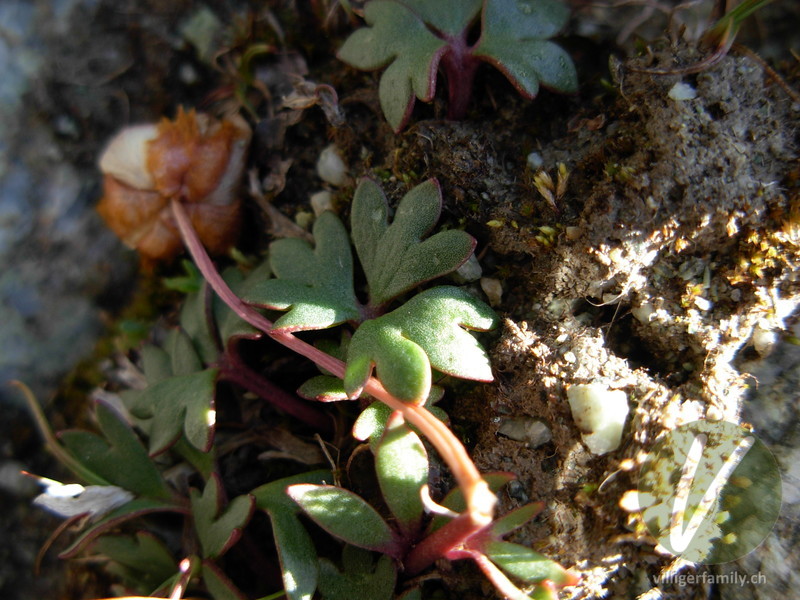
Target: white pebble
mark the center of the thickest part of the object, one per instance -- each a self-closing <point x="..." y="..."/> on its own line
<point x="644" y="313"/>
<point x="764" y="338"/>
<point x="321" y="201"/>
<point x="331" y="167"/>
<point x="493" y="290"/>
<point x="682" y="91"/>
<point x="600" y="413"/>
<point x="471" y="270"/>
<point x="535" y="161"/>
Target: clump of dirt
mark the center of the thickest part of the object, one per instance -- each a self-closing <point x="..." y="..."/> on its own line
<point x="658" y="278"/>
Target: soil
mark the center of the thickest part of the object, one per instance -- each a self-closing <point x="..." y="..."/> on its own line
<point x="666" y="268"/>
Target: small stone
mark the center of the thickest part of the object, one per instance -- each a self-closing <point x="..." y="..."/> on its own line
<point x="321" y="201"/>
<point x="304" y="219"/>
<point x="493" y="290"/>
<point x="630" y="501"/>
<point x="517" y="491"/>
<point x="600" y="413"/>
<point x="535" y="161"/>
<point x="331" y="167"/>
<point x="533" y="432"/>
<point x="470" y="271"/>
<point x="682" y="91"/>
<point x="764" y="338"/>
<point x="643" y="313"/>
<point x="703" y="304"/>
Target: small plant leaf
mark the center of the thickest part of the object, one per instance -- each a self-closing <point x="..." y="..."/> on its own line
<point x="219" y="529"/>
<point x="118" y="456"/>
<point x="184" y="357"/>
<point x="450" y="18"/>
<point x="346" y="516"/>
<point x="218" y="584"/>
<point x="156" y="364"/>
<point x="360" y="577"/>
<point x="402" y="467"/>
<point x="513" y="39"/>
<point x="295" y="549"/>
<point x="132" y="510"/>
<point x="525" y="564"/>
<point x="209" y="339"/>
<point x="179" y="404"/>
<point x="324" y="388"/>
<point x="316" y="286"/>
<point x="297" y="555"/>
<point x="412" y="594"/>
<point x="188" y="283"/>
<point x="371" y="423"/>
<point x="142" y="561"/>
<point x="516" y="518"/>
<point x="426" y="331"/>
<point x="394" y="257"/>
<point x="455" y="501"/>
<point x="396" y="35"/>
<point x="194" y="321"/>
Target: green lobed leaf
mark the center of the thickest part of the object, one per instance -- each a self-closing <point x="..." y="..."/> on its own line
<point x="426" y="331"/>
<point x="296" y="551"/>
<point x="396" y="35"/>
<point x="143" y="561"/>
<point x="524" y="563"/>
<point x="456" y="502"/>
<point x="401" y="464"/>
<point x="194" y="321"/>
<point x="360" y="577"/>
<point x="371" y="423"/>
<point x="184" y="357"/>
<point x="188" y="283"/>
<point x="297" y="555"/>
<point x="323" y="388"/>
<point x="516" y="518"/>
<point x="227" y="325"/>
<point x="412" y="594"/>
<point x="394" y="257"/>
<point x="117" y="456"/>
<point x="273" y="496"/>
<point x="513" y="39"/>
<point x="219" y="529"/>
<point x="205" y="463"/>
<point x="449" y="18"/>
<point x="346" y="516"/>
<point x="232" y="326"/>
<point x="156" y="364"/>
<point x="315" y="285"/>
<point x="218" y="584"/>
<point x="179" y="404"/>
<point x="134" y="509"/>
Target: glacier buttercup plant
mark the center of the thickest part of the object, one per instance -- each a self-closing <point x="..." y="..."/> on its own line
<point x="415" y="39"/>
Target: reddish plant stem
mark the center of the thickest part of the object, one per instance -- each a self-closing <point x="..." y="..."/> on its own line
<point x="446" y="539"/>
<point x="459" y="67"/>
<point x="233" y="369"/>
<point x="480" y="499"/>
<point x="499" y="579"/>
